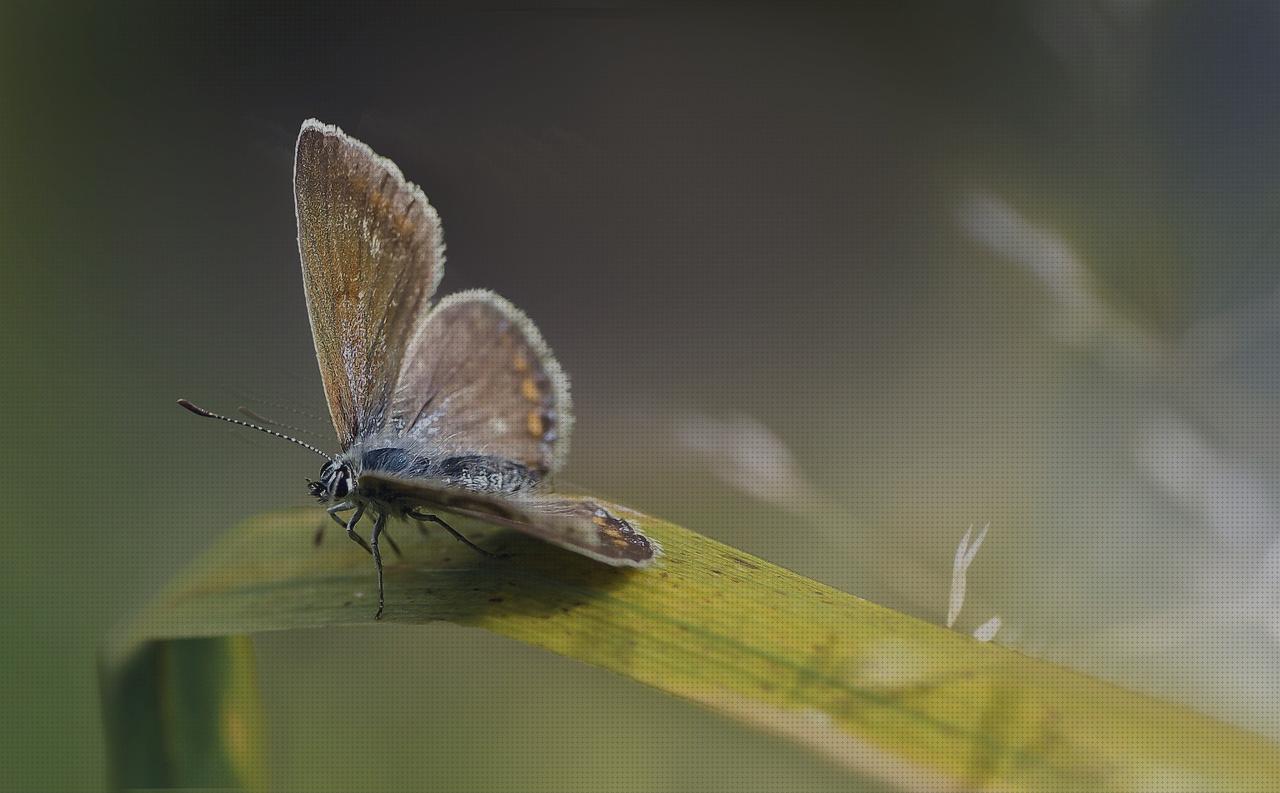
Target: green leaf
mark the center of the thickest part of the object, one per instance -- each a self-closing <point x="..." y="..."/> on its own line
<point x="881" y="693"/>
<point x="184" y="713"/>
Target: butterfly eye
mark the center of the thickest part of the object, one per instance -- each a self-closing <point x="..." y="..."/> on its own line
<point x="340" y="481"/>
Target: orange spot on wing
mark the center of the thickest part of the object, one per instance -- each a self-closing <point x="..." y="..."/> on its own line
<point x="608" y="528"/>
<point x="529" y="390"/>
<point x="536" y="427"/>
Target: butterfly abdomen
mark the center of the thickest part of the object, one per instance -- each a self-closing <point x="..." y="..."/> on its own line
<point x="475" y="472"/>
<point x="485" y="473"/>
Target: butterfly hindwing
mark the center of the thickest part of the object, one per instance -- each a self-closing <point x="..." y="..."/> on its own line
<point x="372" y="255"/>
<point x="477" y="377"/>
<point x="583" y="526"/>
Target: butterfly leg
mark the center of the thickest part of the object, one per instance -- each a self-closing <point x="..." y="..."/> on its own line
<point x="386" y="535"/>
<point x="417" y="519"/>
<point x="343" y="507"/>
<point x="457" y="534"/>
<point x="351" y="528"/>
<point x="378" y="524"/>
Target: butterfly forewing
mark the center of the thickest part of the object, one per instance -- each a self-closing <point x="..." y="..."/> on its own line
<point x="372" y="256"/>
<point x="477" y="377"/>
<point x="580" y="525"/>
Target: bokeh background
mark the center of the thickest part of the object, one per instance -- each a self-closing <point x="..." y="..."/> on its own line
<point x="832" y="285"/>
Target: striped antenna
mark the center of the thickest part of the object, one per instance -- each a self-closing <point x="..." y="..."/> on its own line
<point x="199" y="411"/>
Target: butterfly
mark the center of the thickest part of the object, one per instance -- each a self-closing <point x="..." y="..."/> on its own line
<point x="457" y="406"/>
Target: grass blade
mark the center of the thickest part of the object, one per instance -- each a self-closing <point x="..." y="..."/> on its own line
<point x="184" y="713"/>
<point x="884" y="694"/>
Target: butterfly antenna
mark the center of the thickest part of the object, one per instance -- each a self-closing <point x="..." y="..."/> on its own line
<point x="261" y="419"/>
<point x="261" y="399"/>
<point x="199" y="411"/>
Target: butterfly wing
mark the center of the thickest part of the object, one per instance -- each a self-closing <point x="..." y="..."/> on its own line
<point x="580" y="525"/>
<point x="372" y="255"/>
<point x="477" y="377"/>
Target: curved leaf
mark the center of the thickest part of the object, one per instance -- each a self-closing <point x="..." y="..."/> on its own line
<point x="184" y="713"/>
<point x="884" y="694"/>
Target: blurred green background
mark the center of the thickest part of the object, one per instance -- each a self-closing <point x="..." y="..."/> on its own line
<point x="831" y="285"/>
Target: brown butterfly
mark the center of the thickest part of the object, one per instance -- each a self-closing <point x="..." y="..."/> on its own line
<point x="458" y="407"/>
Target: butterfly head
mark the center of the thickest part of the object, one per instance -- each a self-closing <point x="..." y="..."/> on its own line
<point x="336" y="481"/>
